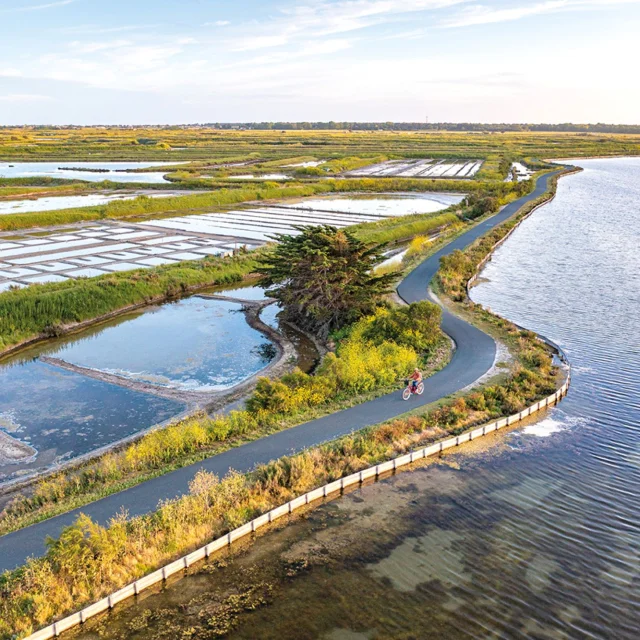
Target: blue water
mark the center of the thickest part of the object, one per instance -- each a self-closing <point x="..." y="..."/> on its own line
<point x="529" y="535"/>
<point x="67" y="202"/>
<point x="64" y="415"/>
<point x="195" y="344"/>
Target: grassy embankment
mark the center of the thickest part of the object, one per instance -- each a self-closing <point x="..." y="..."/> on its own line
<point x="211" y="146"/>
<point x="145" y="207"/>
<point x="365" y="364"/>
<point x="32" y="192"/>
<point x="44" y="309"/>
<point x="207" y="149"/>
<point x="75" y="487"/>
<point x="89" y="561"/>
<point x="40" y="187"/>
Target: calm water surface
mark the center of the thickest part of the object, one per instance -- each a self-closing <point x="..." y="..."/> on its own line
<point x="63" y="415"/>
<point x="382" y="205"/>
<point x="116" y="171"/>
<point x="266" y="176"/>
<point x="534" y="536"/>
<point x="67" y="202"/>
<point x="195" y="344"/>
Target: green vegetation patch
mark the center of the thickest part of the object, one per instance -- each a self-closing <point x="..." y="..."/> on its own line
<point x="46" y="309"/>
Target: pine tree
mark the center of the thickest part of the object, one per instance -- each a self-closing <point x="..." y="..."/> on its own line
<point x="324" y="278"/>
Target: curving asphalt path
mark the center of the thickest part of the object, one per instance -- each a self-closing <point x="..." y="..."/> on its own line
<point x="474" y="356"/>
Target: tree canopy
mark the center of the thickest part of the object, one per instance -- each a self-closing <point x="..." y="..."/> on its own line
<point x="324" y="278"/>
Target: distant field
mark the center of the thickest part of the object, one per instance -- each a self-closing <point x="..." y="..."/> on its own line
<point x="176" y="143"/>
<point x="228" y="167"/>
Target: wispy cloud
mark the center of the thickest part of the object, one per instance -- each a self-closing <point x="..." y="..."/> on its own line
<point x="259" y="42"/>
<point x="38" y="7"/>
<point x="217" y="23"/>
<point x="481" y="14"/>
<point x="93" y="47"/>
<point x="92" y="29"/>
<point x="321" y="19"/>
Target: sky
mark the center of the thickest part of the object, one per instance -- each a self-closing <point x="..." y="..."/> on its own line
<point x="188" y="61"/>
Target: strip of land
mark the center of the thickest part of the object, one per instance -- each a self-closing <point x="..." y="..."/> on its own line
<point x="474" y="356"/>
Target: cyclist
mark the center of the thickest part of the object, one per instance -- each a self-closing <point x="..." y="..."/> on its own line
<point x="416" y="379"/>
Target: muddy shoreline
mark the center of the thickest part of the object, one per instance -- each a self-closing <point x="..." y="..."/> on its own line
<point x="14" y="451"/>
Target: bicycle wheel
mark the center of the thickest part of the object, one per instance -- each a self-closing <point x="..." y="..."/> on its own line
<point x="420" y="389"/>
<point x="406" y="393"/>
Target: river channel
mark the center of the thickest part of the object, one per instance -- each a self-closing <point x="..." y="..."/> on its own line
<point x="534" y="533"/>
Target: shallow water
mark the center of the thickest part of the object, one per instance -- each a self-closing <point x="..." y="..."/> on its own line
<point x="394" y="260"/>
<point x="425" y="168"/>
<point x="67" y="202"/>
<point x="308" y="356"/>
<point x="260" y="224"/>
<point x="307" y="353"/>
<point x="64" y="415"/>
<point x="253" y="293"/>
<point x="396" y="205"/>
<point x="309" y="163"/>
<point x="531" y="534"/>
<point x="265" y="176"/>
<point x="195" y="344"/>
<point x="117" y="171"/>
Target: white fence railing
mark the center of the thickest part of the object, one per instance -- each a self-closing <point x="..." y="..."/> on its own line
<point x="177" y="566"/>
<point x="133" y="589"/>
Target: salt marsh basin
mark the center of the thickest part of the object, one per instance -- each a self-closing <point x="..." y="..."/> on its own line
<point x="259" y="223"/>
<point x="533" y="537"/>
<point x="387" y="205"/>
<point x="423" y="168"/>
<point x="90" y="250"/>
<point x="195" y="344"/>
<point x="54" y="203"/>
<point x="266" y="176"/>
<point x="89" y="171"/>
<point x="63" y="415"/>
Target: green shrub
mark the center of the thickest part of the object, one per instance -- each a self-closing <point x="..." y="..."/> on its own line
<point x="416" y="326"/>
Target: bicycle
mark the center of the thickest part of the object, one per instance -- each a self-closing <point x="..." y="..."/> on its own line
<point x="409" y="389"/>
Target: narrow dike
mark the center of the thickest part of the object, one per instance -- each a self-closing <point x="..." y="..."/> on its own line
<point x="473" y="357"/>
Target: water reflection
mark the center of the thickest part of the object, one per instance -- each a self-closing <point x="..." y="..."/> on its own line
<point x="266" y="176"/>
<point x="67" y="202"/>
<point x="195" y="344"/>
<point x="381" y="205"/>
<point x="307" y="352"/>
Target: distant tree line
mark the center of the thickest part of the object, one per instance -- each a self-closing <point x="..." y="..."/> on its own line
<point x="566" y="127"/>
<point x="429" y="126"/>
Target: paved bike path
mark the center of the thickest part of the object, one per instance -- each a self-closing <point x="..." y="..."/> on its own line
<point x="474" y="356"/>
